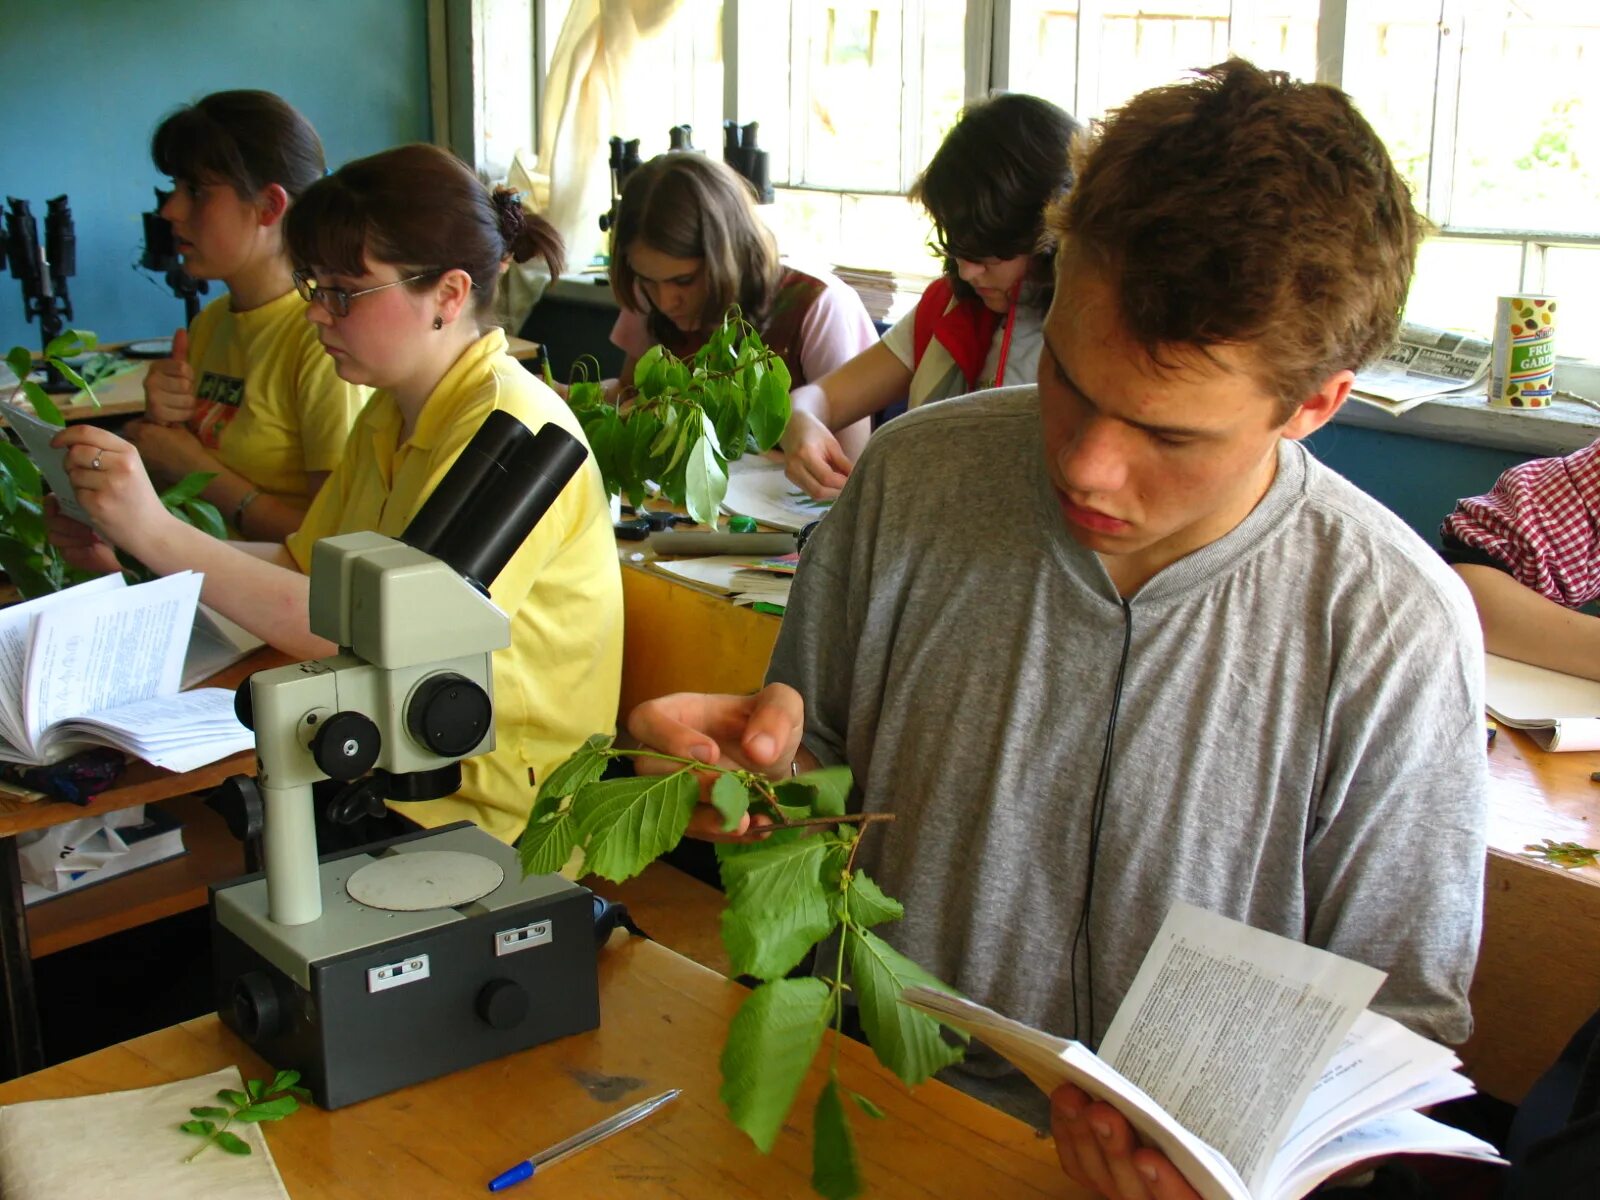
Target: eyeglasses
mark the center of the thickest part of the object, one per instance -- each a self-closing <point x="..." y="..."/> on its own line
<point x="337" y="299"/>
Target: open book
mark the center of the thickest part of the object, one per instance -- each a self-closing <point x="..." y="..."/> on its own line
<point x="1560" y="712"/>
<point x="100" y="664"/>
<point x="1249" y="1060"/>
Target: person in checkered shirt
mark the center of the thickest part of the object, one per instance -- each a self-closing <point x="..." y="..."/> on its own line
<point x="1529" y="551"/>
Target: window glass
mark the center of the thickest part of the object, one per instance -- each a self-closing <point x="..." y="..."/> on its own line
<point x="1572" y="276"/>
<point x="1391" y="69"/>
<point x="1457" y="281"/>
<point x="1528" y="129"/>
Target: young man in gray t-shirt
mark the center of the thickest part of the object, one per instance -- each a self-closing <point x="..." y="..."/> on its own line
<point x="1118" y="640"/>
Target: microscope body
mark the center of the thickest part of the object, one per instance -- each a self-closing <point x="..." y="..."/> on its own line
<point x="469" y="961"/>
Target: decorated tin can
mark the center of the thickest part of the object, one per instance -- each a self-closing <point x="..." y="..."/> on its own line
<point x="1522" y="373"/>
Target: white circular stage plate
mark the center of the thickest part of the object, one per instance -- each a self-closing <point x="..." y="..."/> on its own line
<point x="424" y="879"/>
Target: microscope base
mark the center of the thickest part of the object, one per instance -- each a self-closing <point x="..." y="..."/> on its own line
<point x="364" y="1000"/>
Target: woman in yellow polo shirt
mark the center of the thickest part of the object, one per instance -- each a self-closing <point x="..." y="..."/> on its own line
<point x="401" y="254"/>
<point x="248" y="393"/>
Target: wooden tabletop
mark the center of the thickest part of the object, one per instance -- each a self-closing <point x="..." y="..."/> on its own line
<point x="663" y="1019"/>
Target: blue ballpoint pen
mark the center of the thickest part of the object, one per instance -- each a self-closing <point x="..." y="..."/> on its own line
<point x="579" y="1141"/>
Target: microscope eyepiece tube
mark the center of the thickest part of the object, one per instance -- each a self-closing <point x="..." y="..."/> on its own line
<point x="502" y="484"/>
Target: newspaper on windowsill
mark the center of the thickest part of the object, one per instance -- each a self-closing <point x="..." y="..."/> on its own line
<point x="1423" y="364"/>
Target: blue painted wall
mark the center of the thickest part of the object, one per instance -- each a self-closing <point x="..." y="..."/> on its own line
<point x="87" y="81"/>
<point x="1419" y="478"/>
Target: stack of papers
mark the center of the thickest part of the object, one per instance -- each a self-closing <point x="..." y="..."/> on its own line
<point x="753" y="581"/>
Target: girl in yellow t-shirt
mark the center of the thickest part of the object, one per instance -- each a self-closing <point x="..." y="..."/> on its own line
<point x="399" y="254"/>
<point x="248" y="392"/>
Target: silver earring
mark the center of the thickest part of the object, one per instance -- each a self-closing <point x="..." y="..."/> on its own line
<point x="438" y="322"/>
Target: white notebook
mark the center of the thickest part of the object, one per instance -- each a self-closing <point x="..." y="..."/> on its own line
<point x="1560" y="712"/>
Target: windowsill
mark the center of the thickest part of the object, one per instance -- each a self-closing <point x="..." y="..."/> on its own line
<point x="1467" y="418"/>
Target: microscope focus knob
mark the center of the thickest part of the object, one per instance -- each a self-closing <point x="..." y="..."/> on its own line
<point x="346" y="746"/>
<point x="449" y="714"/>
<point x="259" y="1012"/>
<point x="503" y="1003"/>
<point x="244" y="705"/>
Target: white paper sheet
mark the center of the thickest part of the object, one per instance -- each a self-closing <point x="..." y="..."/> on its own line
<point x="1560" y="712"/>
<point x="52" y="463"/>
<point x="757" y="487"/>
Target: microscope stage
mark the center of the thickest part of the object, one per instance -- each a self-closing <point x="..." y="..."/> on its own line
<point x="424" y="879"/>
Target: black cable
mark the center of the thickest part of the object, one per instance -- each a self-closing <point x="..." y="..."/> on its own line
<point x="1097" y="816"/>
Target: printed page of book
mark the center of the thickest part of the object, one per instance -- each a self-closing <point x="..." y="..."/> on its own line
<point x="16" y="631"/>
<point x="108" y="649"/>
<point x="1381" y="1067"/>
<point x="179" y="732"/>
<point x="52" y="463"/>
<point x="1228" y="1029"/>
<point x="1050" y="1061"/>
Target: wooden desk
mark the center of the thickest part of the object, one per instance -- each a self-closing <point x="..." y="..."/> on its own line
<point x="1538" y="974"/>
<point x="158" y="891"/>
<point x="663" y="1019"/>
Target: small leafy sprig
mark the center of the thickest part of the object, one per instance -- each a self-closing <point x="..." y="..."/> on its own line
<point x="258" y="1102"/>
<point x="790" y="891"/>
<point x="687" y="419"/>
<point x="1570" y="855"/>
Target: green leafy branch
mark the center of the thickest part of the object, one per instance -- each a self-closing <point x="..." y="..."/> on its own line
<point x="258" y="1102"/>
<point x="20" y="360"/>
<point x="1570" y="855"/>
<point x="26" y="554"/>
<point x="687" y="418"/>
<point x="788" y="892"/>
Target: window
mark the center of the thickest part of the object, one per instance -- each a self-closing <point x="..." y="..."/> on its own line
<point x="1491" y="108"/>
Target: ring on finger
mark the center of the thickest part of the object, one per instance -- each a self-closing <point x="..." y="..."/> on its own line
<point x="94" y="463"/>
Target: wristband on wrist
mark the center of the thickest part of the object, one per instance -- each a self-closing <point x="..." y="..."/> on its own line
<point x="245" y="502"/>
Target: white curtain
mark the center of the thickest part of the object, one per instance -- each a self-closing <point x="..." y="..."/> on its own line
<point x="603" y="81"/>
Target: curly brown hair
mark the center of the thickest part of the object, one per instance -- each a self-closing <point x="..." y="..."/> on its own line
<point x="1244" y="208"/>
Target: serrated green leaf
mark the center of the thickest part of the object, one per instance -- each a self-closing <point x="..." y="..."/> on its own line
<point x="231" y="1142"/>
<point x="545" y="846"/>
<point x="586" y="764"/>
<point x="626" y="824"/>
<point x="832" y="789"/>
<point x="868" y="904"/>
<point x="44" y="407"/>
<point x="777" y="908"/>
<point x="220" y="1113"/>
<point x="187" y="488"/>
<point x="20" y="360"/>
<point x="71" y="341"/>
<point x="731" y="798"/>
<point x="274" y="1109"/>
<point x="705" y="482"/>
<point x="906" y="1041"/>
<point x="76" y="380"/>
<point x="769" y="414"/>
<point x="236" y="1099"/>
<point x="835" y="1172"/>
<point x="199" y="1128"/>
<point x="772" y="1041"/>
<point x="867" y="1106"/>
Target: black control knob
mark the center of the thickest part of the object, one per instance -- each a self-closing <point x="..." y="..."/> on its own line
<point x="346" y="746"/>
<point x="259" y="1010"/>
<point x="449" y="714"/>
<point x="243" y="705"/>
<point x="503" y="1003"/>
